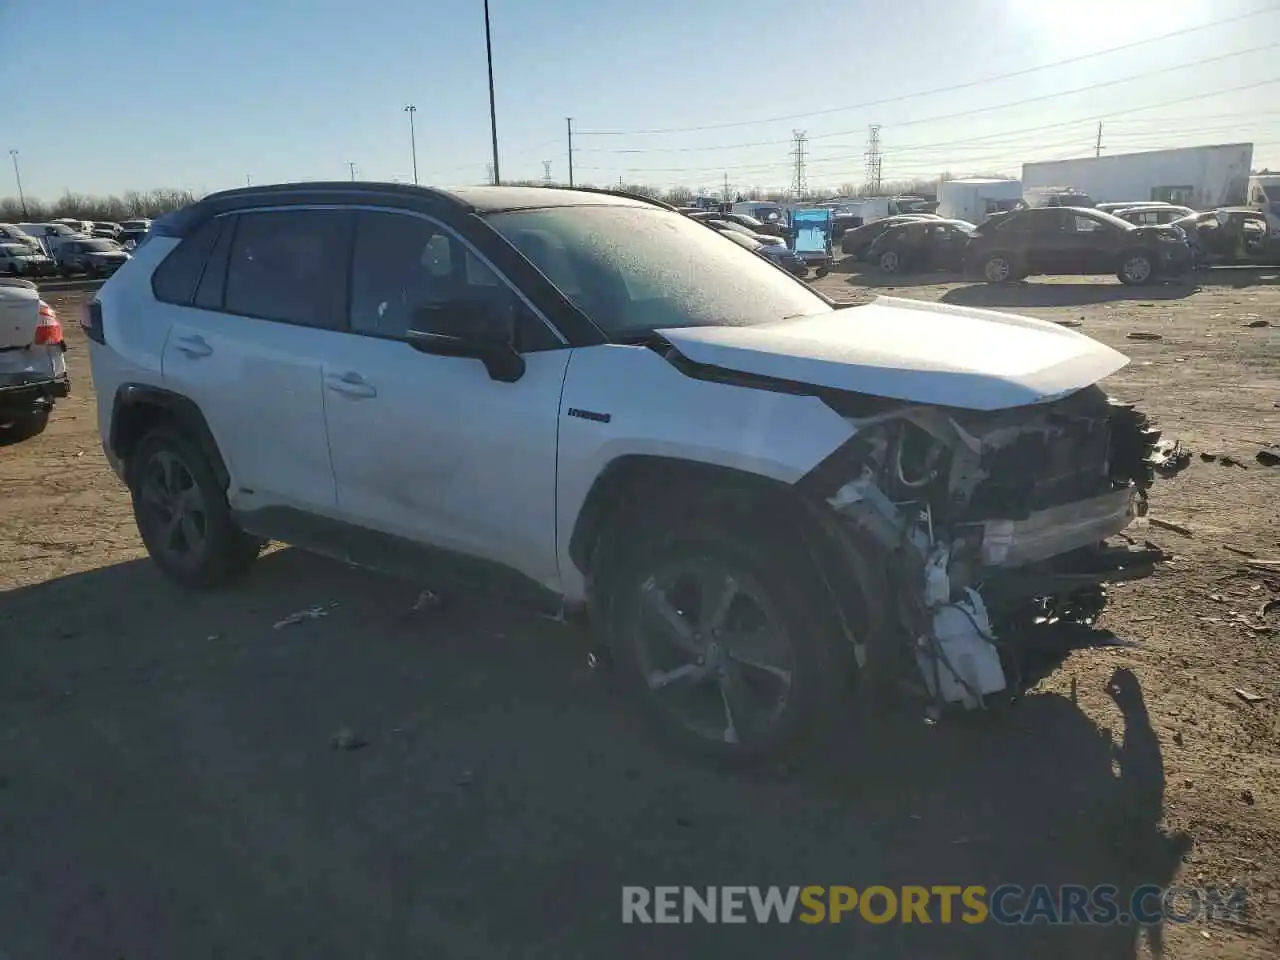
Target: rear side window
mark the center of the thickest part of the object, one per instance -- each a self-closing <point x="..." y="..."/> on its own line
<point x="214" y="279"/>
<point x="290" y="266"/>
<point x="175" y="279"/>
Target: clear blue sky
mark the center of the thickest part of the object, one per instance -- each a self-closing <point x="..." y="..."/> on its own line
<point x="105" y="97"/>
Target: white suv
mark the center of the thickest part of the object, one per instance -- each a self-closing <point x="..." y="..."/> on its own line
<point x="592" y="402"/>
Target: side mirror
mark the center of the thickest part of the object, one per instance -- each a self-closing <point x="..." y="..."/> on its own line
<point x="468" y="329"/>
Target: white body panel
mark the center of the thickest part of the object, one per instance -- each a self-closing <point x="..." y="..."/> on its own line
<point x="19" y="315"/>
<point x="1217" y="175"/>
<point x="967" y="199"/>
<point x="656" y="410"/>
<point x="431" y="448"/>
<point x="258" y="385"/>
<point x="910" y="350"/>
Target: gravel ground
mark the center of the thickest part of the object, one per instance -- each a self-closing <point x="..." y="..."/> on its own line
<point x="168" y="786"/>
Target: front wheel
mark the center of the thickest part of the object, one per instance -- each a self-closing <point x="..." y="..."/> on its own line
<point x="997" y="268"/>
<point x="182" y="513"/>
<point x="890" y="262"/>
<point x="723" y="641"/>
<point x="1136" y="269"/>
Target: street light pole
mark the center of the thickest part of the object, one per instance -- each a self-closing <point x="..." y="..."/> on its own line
<point x="22" y="197"/>
<point x="352" y="165"/>
<point x="413" y="140"/>
<point x="493" y="114"/>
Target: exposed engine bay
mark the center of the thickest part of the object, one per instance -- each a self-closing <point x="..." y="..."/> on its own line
<point x="993" y="521"/>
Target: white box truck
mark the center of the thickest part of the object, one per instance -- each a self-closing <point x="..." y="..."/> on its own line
<point x="976" y="198"/>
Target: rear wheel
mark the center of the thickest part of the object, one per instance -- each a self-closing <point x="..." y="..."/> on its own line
<point x="24" y="426"/>
<point x="1136" y="268"/>
<point x="726" y="641"/>
<point x="182" y="513"/>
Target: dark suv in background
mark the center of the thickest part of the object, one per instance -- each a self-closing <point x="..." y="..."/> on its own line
<point x="1075" y="240"/>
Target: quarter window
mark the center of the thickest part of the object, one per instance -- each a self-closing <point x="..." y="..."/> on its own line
<point x="289" y="266"/>
<point x="176" y="278"/>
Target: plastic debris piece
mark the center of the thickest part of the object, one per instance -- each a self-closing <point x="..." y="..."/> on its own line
<point x="311" y="613"/>
<point x="1249" y="696"/>
<point x="1143" y="335"/>
<point x="347" y="739"/>
<point x="1167" y="525"/>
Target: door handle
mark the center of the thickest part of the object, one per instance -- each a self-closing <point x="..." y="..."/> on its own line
<point x="351" y="384"/>
<point x="194" y="346"/>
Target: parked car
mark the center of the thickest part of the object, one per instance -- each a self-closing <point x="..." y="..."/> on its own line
<point x="1112" y="206"/>
<point x="20" y="260"/>
<point x="141" y="224"/>
<point x="763" y="238"/>
<point x="749" y="491"/>
<point x="857" y="241"/>
<point x="33" y="371"/>
<point x="758" y="227"/>
<point x="1147" y="215"/>
<point x="93" y="256"/>
<point x="130" y="238"/>
<point x="780" y="254"/>
<point x="1072" y="240"/>
<point x="12" y="233"/>
<point x="107" y="225"/>
<point x="1232" y="235"/>
<point x="922" y="245"/>
<point x="51" y="236"/>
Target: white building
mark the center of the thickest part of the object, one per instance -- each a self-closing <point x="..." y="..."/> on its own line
<point x="1199" y="177"/>
<point x="976" y="198"/>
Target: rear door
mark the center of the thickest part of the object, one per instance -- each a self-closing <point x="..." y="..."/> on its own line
<point x="1095" y="243"/>
<point x="249" y="346"/>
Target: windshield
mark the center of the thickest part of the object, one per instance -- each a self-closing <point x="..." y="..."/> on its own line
<point x="99" y="246"/>
<point x="61" y="229"/>
<point x="633" y="270"/>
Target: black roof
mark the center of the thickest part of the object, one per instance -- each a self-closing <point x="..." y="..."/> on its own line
<point x="480" y="200"/>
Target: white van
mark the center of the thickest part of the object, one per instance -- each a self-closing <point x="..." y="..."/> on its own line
<point x="1264" y="196"/>
<point x="766" y="211"/>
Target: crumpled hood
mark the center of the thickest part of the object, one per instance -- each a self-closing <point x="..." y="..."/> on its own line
<point x="912" y="350"/>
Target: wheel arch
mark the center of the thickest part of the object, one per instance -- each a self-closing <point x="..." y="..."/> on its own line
<point x="139" y="408"/>
<point x="637" y="491"/>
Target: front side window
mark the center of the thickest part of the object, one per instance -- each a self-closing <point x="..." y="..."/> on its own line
<point x="289" y="266"/>
<point x="633" y="270"/>
<point x="404" y="265"/>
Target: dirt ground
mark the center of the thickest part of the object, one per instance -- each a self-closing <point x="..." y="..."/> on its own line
<point x="168" y="786"/>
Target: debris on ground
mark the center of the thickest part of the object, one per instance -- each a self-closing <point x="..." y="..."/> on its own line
<point x="1247" y="796"/>
<point x="1208" y="457"/>
<point x="1177" y="738"/>
<point x="1068" y="323"/>
<point x="427" y="600"/>
<point x="1258" y="323"/>
<point x="1237" y="550"/>
<point x="311" y="613"/>
<point x="1269" y="457"/>
<point x="1249" y="696"/>
<point x="466" y="778"/>
<point x="1169" y="457"/>
<point x="1231" y="462"/>
<point x="1167" y="525"/>
<point x="1143" y="335"/>
<point x="347" y="739"/>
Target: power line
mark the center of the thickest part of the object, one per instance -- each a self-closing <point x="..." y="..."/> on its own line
<point x="947" y="89"/>
<point x="1217" y="58"/>
<point x="1104" y="116"/>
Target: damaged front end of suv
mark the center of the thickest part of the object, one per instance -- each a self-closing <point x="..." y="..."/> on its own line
<point x="991" y="521"/>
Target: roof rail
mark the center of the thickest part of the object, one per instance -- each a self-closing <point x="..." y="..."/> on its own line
<point x="624" y="194"/>
<point x="344" y="186"/>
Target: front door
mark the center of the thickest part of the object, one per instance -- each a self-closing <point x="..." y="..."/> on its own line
<point x="431" y="448"/>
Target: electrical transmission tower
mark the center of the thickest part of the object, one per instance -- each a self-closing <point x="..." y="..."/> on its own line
<point x="874" y="158"/>
<point x="799" y="154"/>
<point x="546" y="172"/>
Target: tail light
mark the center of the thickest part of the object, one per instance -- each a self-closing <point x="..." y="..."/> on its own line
<point x="48" y="329"/>
<point x="91" y="322"/>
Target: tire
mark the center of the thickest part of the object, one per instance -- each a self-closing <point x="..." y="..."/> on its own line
<point x="998" y="268"/>
<point x="689" y="687"/>
<point x="24" y="426"/>
<point x="1137" y="267"/>
<point x="890" y="261"/>
<point x="182" y="513"/>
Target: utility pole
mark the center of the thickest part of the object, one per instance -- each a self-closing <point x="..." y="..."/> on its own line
<point x="799" y="185"/>
<point x="17" y="174"/>
<point x="726" y="186"/>
<point x="569" y="124"/>
<point x="410" y="109"/>
<point x="546" y="172"/>
<point x="352" y="165"/>
<point x="874" y="158"/>
<point x="488" y="173"/>
<point x="493" y="115"/>
<point x="1097" y="149"/>
<point x="248" y="180"/>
